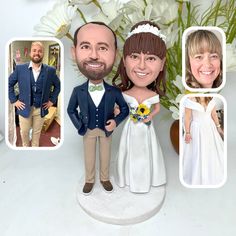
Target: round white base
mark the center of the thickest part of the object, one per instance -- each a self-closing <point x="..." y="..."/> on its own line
<point x="121" y="206"/>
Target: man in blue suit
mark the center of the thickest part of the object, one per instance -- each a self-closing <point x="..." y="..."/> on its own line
<point x="91" y="106"/>
<point x="38" y="87"/>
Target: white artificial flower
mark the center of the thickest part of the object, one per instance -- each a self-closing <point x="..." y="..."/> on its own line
<point x="135" y="17"/>
<point x="166" y="10"/>
<point x="57" y="21"/>
<point x="178" y="83"/>
<point x="174" y="109"/>
<point x="176" y="100"/>
<point x="116" y="22"/>
<point x="231" y="56"/>
<point x="175" y="112"/>
<point x="135" y="4"/>
<point x="179" y="97"/>
<point x="148" y="11"/>
<point x="134" y="11"/>
<point x="77" y="2"/>
<point x="110" y="14"/>
<point x="171" y="34"/>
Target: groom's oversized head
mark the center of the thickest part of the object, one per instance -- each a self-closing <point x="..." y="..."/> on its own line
<point x="95" y="49"/>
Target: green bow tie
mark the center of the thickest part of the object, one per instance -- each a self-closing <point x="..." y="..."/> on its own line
<point x="93" y="88"/>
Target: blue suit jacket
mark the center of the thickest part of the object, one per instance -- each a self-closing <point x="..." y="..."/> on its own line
<point x="22" y="75"/>
<point x="79" y="98"/>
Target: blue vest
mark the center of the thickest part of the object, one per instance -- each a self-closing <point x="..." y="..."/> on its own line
<point x="96" y="114"/>
<point x="36" y="90"/>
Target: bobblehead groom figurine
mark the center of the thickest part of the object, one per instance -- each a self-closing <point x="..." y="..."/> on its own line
<point x="94" y="50"/>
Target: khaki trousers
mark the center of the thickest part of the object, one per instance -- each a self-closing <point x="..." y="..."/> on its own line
<point x="34" y="121"/>
<point x="90" y="140"/>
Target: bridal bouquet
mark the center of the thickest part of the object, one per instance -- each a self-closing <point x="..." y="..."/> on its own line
<point x="140" y="113"/>
<point x="173" y="17"/>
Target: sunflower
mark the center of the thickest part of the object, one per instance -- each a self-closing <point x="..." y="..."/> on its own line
<point x="133" y="118"/>
<point x="143" y="110"/>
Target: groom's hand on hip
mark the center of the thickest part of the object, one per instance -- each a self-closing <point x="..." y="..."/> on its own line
<point x="110" y="125"/>
<point x="19" y="105"/>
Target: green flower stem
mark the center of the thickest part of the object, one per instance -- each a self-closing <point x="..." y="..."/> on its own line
<point x="68" y="35"/>
<point x="180" y="20"/>
<point x="181" y="27"/>
<point x="165" y="102"/>
<point x="218" y="4"/>
<point x="188" y="5"/>
<point x="119" y="35"/>
<point x="231" y="31"/>
<point x="232" y="35"/>
<point x="97" y="4"/>
<point x="145" y="3"/>
<point x="211" y="15"/>
<point x="82" y="15"/>
<point x="207" y="15"/>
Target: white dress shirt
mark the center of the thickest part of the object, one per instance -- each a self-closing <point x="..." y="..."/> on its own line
<point x="36" y="72"/>
<point x="96" y="95"/>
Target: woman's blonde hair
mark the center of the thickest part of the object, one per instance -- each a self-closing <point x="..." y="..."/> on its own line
<point x="199" y="42"/>
<point x="206" y="99"/>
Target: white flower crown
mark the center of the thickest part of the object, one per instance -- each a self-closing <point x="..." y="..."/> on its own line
<point x="147" y="29"/>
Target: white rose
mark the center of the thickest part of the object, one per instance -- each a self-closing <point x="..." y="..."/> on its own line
<point x="166" y="10"/>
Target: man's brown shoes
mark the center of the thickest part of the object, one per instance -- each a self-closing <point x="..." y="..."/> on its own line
<point x="88" y="187"/>
<point x="107" y="186"/>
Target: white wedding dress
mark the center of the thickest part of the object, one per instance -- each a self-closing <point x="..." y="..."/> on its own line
<point x="203" y="157"/>
<point x="140" y="161"/>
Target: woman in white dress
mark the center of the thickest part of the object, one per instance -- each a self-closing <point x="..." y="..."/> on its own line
<point x="203" y="150"/>
<point x="140" y="163"/>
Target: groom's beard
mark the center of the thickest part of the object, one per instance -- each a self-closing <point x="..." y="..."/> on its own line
<point x="93" y="69"/>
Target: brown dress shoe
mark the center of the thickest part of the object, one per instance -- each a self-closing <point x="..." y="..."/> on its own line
<point x="107" y="186"/>
<point x="87" y="189"/>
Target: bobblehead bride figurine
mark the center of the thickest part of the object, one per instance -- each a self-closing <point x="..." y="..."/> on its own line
<point x="140" y="163"/>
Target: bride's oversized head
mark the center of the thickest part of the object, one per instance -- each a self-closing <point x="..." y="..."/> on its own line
<point x="143" y="61"/>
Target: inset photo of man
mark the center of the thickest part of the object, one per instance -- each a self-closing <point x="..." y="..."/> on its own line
<point x="34" y="98"/>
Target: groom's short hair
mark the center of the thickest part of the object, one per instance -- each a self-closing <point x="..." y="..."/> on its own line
<point x="96" y="23"/>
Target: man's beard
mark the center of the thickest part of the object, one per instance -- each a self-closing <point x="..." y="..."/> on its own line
<point x="93" y="74"/>
<point x="37" y="61"/>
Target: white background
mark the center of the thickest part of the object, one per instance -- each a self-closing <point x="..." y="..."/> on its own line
<point x="38" y="188"/>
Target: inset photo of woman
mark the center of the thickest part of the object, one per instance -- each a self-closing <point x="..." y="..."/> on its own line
<point x="203" y="133"/>
<point x="203" y="61"/>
